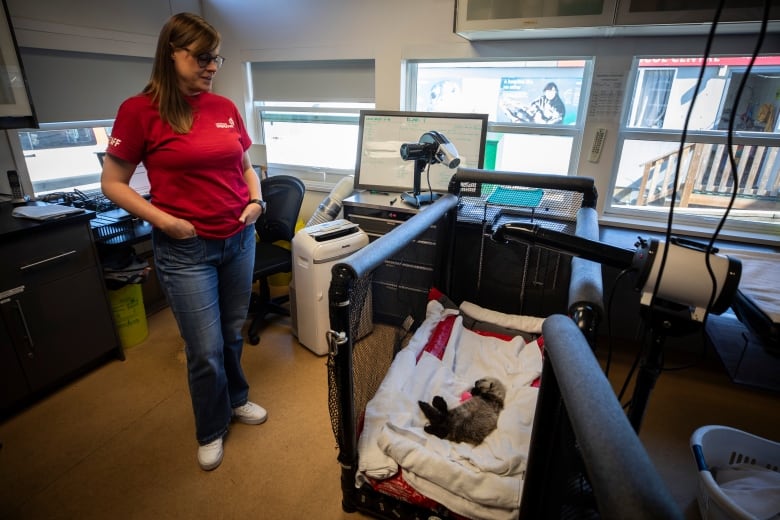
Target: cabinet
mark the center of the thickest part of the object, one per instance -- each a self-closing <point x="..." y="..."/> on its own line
<point x="400" y="286"/>
<point x="502" y="19"/>
<point x="55" y="318"/>
<point x="739" y="16"/>
<point x="511" y="19"/>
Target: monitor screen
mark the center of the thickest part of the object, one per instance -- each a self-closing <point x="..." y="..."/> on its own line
<point x="379" y="165"/>
<point x="139" y="181"/>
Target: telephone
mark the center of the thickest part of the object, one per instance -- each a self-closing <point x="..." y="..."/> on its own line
<point x="17" y="194"/>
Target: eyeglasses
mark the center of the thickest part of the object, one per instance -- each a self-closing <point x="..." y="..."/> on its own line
<point x="205" y="58"/>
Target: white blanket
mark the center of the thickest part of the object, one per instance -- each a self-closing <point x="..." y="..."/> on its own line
<point x="753" y="488"/>
<point x="482" y="481"/>
<point x="760" y="280"/>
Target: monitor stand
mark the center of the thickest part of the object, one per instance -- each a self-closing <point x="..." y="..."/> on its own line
<point x="415" y="198"/>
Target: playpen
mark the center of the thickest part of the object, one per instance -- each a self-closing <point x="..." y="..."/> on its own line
<point x="577" y="456"/>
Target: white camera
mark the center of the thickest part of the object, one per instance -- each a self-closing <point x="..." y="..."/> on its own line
<point x="446" y="154"/>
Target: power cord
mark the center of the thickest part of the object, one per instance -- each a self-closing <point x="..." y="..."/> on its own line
<point x="730" y="147"/>
<point x="683" y="138"/>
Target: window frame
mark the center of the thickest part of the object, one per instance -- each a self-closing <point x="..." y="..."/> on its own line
<point x="105" y="124"/>
<point x="323" y="176"/>
<point x="685" y="220"/>
<point x="574" y="131"/>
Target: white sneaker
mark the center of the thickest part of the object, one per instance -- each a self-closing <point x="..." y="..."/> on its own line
<point x="210" y="455"/>
<point x="250" y="413"/>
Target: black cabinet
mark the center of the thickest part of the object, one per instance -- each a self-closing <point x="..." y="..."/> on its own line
<point x="13" y="385"/>
<point x="400" y="286"/>
<point x="55" y="318"/>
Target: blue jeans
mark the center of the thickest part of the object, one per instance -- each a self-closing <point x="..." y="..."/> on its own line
<point x="208" y="284"/>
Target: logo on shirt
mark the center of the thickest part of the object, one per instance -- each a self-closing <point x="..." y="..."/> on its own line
<point x="229" y="124"/>
<point x="114" y="141"/>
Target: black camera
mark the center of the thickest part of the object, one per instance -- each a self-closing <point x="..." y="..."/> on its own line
<point x="415" y="151"/>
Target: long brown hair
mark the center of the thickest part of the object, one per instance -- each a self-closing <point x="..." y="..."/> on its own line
<point x="180" y="31"/>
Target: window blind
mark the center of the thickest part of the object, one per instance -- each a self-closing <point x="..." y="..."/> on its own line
<point x="337" y="80"/>
<point x="74" y="86"/>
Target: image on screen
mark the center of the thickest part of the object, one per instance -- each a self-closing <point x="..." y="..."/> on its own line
<point x="379" y="165"/>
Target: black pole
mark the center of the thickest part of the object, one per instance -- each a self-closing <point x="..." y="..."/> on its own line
<point x="649" y="371"/>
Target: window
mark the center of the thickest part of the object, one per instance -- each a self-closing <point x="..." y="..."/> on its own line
<point x="655" y="85"/>
<point x="307" y="115"/>
<point x="534" y="107"/>
<point x="63" y="157"/>
<point x="75" y="115"/>
<point x="649" y="142"/>
<point x="312" y="135"/>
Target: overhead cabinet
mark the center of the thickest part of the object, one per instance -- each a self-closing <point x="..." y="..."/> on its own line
<point x="511" y="19"/>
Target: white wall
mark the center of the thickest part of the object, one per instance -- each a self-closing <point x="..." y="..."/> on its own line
<point x="388" y="32"/>
<point x="101" y="26"/>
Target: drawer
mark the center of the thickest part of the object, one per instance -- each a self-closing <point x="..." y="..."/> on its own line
<point x="405" y="274"/>
<point x="378" y="225"/>
<point x="418" y="253"/>
<point x="393" y="303"/>
<point x="46" y="254"/>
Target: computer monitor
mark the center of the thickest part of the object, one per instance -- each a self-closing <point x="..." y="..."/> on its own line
<point x="379" y="165"/>
<point x="139" y="181"/>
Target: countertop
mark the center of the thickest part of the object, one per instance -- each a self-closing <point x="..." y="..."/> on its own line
<point x="11" y="226"/>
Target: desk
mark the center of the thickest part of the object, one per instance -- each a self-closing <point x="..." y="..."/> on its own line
<point x="400" y="286"/>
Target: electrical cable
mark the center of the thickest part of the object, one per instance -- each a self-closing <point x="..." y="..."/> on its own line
<point x="428" y="179"/>
<point x="683" y="137"/>
<point x="730" y="149"/>
<point x="676" y="180"/>
<point x="732" y="161"/>
<point x="734" y="180"/>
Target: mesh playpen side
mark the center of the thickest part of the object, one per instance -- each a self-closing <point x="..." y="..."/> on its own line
<point x="363" y="343"/>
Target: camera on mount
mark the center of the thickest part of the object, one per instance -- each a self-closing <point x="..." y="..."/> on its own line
<point x="433" y="148"/>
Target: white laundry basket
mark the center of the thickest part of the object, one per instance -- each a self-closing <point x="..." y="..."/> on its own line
<point x="720" y="446"/>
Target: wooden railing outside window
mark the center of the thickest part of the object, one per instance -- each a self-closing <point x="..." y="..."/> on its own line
<point x="706" y="180"/>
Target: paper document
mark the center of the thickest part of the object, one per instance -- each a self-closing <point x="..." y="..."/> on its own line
<point x="48" y="212"/>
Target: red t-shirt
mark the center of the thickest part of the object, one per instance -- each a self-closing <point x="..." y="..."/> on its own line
<point x="197" y="176"/>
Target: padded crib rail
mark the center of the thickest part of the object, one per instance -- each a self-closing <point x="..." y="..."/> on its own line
<point x="586" y="288"/>
<point x="365" y="260"/>
<point x="575" y="394"/>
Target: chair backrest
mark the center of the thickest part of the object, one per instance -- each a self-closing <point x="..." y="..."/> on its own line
<point x="283" y="195"/>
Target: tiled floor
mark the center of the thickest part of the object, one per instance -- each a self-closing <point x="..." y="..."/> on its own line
<point x="119" y="442"/>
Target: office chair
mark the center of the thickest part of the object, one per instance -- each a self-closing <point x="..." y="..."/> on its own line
<point x="283" y="195"/>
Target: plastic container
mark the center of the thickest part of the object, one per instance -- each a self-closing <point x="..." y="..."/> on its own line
<point x="127" y="305"/>
<point x="720" y="446"/>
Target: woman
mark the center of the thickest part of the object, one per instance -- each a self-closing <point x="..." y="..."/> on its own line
<point x="548" y="108"/>
<point x="205" y="199"/>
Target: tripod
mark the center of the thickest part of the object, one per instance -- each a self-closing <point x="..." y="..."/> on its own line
<point x="665" y="319"/>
